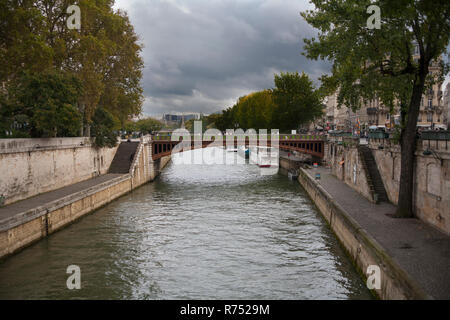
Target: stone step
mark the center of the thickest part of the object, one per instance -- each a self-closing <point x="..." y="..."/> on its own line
<point x="123" y="157"/>
<point x="374" y="177"/>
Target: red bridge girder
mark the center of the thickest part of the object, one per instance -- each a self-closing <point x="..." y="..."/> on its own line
<point x="162" y="148"/>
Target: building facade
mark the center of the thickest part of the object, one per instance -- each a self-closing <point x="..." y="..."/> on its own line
<point x="179" y="118"/>
<point x="433" y="114"/>
<point x="446" y="105"/>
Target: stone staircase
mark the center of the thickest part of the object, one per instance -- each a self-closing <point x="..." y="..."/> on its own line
<point x="373" y="175"/>
<point x="123" y="157"/>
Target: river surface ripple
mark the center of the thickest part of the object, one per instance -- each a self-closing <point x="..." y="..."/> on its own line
<point x="196" y="232"/>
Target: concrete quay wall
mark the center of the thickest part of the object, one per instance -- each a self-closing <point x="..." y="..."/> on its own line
<point x="28" y="227"/>
<point x="431" y="175"/>
<point x="361" y="247"/>
<point x="431" y="179"/>
<point x="29" y="167"/>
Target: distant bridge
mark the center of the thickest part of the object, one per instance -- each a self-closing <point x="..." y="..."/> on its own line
<point x="308" y="144"/>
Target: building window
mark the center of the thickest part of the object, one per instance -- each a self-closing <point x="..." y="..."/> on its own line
<point x="429" y="117"/>
<point x="419" y="118"/>
<point x="430" y="102"/>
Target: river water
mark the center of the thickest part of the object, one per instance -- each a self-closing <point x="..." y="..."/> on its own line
<point x="196" y="232"/>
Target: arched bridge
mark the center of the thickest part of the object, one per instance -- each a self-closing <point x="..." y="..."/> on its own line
<point x="308" y="144"/>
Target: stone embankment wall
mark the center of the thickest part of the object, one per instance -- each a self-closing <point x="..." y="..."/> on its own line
<point x="432" y="175"/>
<point x="362" y="248"/>
<point x="431" y="181"/>
<point x="28" y="227"/>
<point x="32" y="166"/>
<point x="287" y="164"/>
<point x="346" y="164"/>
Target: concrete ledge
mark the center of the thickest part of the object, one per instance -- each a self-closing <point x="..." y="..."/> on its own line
<point x="361" y="246"/>
<point x="26" y="216"/>
<point x="30" y="226"/>
<point x="42" y="144"/>
<point x="24" y="228"/>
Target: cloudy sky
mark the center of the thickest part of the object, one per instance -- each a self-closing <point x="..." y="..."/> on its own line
<point x="201" y="55"/>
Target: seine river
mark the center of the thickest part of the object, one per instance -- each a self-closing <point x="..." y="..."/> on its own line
<point x="196" y="232"/>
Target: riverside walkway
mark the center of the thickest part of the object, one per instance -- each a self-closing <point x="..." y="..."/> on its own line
<point x="9" y="211"/>
<point x="420" y="250"/>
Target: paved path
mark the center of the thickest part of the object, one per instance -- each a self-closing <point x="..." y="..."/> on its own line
<point x="421" y="250"/>
<point x="39" y="200"/>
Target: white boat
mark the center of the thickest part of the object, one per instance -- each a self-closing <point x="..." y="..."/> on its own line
<point x="266" y="157"/>
<point x="244" y="152"/>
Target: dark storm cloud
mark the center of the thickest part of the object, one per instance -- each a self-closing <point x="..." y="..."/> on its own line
<point x="201" y="56"/>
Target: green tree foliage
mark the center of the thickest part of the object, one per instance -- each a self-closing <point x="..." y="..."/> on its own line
<point x="208" y="122"/>
<point x="110" y="62"/>
<point x="293" y="101"/>
<point x="148" y="125"/>
<point x="104" y="54"/>
<point x="130" y="126"/>
<point x="104" y="128"/>
<point x="255" y="110"/>
<point x="379" y="63"/>
<point x="23" y="43"/>
<point x="43" y="105"/>
<point x="145" y="126"/>
<point x="297" y="101"/>
<point x="226" y="120"/>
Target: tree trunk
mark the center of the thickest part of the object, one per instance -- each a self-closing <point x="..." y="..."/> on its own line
<point x="405" y="207"/>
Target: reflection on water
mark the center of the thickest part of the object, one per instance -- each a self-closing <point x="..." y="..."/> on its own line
<point x="197" y="232"/>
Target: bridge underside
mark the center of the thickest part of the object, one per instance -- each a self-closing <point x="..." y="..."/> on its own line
<point x="313" y="147"/>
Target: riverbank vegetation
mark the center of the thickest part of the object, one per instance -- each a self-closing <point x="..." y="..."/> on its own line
<point x="144" y="126"/>
<point x="294" y="101"/>
<point x="54" y="79"/>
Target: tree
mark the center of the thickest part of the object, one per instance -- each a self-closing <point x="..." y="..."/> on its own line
<point x="130" y="126"/>
<point x="104" y="128"/>
<point x="293" y="102"/>
<point x="104" y="54"/>
<point x="297" y="102"/>
<point x="148" y="125"/>
<point x="371" y="63"/>
<point x="210" y="121"/>
<point x="254" y="111"/>
<point x="44" y="104"/>
<point x="226" y="120"/>
<point x="23" y="45"/>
